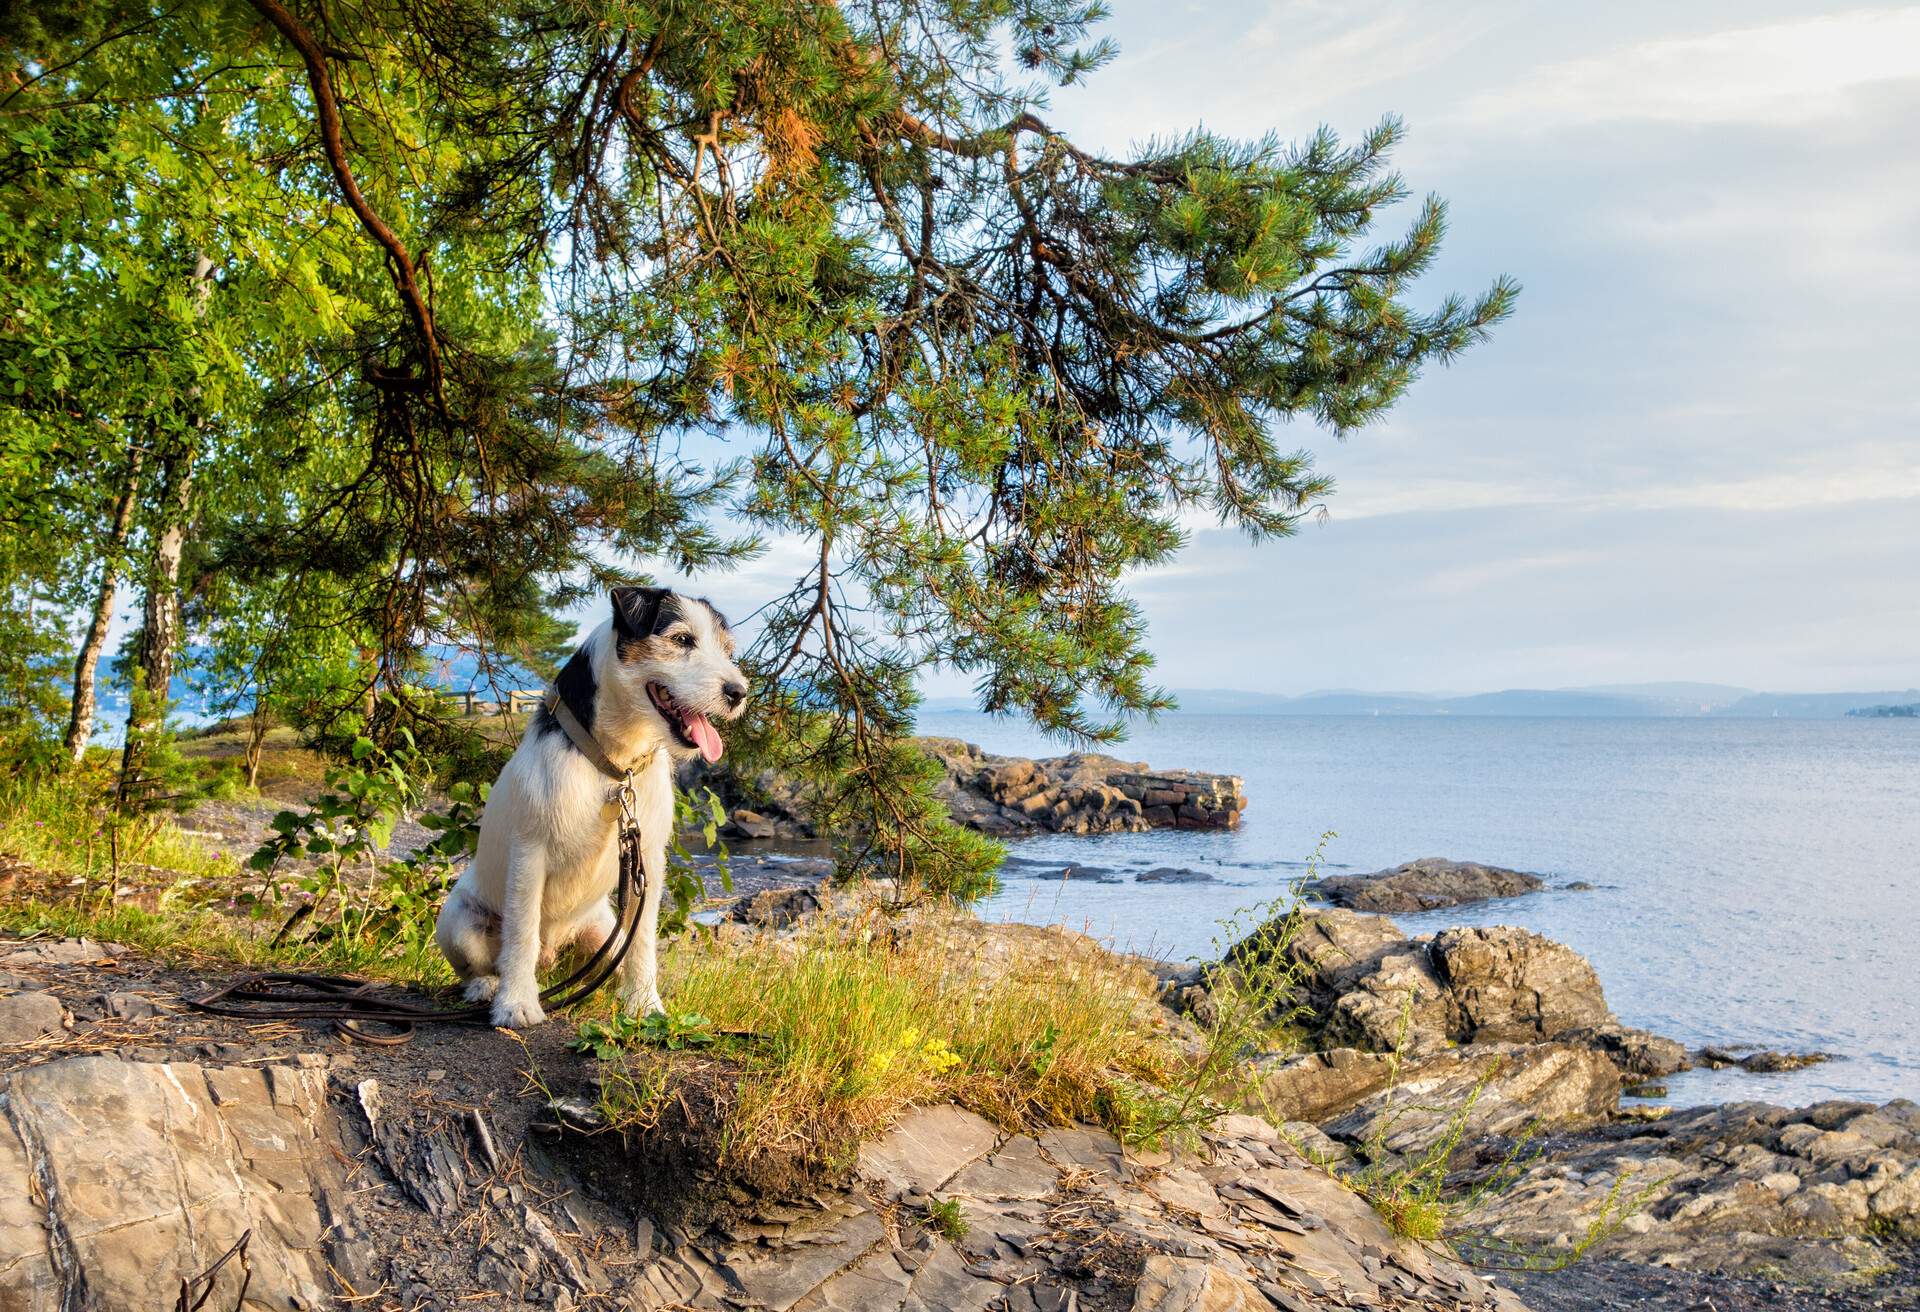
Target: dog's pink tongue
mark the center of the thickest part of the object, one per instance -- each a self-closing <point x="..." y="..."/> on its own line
<point x="705" y="737"/>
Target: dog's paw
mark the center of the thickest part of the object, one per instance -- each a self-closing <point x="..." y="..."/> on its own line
<point x="517" y="1013"/>
<point x="481" y="988"/>
<point x="642" y="1004"/>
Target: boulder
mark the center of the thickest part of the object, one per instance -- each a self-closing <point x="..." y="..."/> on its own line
<point x="1423" y="885"/>
<point x="745" y="823"/>
<point x="1481" y="1091"/>
<point x="1081" y="793"/>
<point x="1512" y="985"/>
<point x="1636" y="1052"/>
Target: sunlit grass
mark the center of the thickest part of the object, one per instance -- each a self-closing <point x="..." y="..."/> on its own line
<point x="851" y="1028"/>
<point x="65" y="825"/>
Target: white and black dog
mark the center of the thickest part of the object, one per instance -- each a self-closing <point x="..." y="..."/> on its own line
<point x="646" y="686"/>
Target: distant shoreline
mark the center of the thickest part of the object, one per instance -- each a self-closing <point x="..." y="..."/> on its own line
<point x="1654" y="702"/>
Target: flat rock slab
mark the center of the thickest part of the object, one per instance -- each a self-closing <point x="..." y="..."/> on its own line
<point x="120" y="1179"/>
<point x="57" y="952"/>
<point x="1016" y="1171"/>
<point x="1190" y="1284"/>
<point x="927" y="1148"/>
<point x="1085" y="1147"/>
<point x="778" y="1278"/>
<point x="25" y="1017"/>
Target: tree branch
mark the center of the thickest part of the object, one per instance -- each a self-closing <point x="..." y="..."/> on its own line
<point x="328" y="111"/>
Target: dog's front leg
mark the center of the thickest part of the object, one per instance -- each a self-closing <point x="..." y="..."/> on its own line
<point x="517" y="1004"/>
<point x="639" y="969"/>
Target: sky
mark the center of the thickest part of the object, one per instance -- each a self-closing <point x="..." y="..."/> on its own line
<point x="1693" y="452"/>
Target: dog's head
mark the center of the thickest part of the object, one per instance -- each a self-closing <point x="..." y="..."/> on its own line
<point x="679" y="650"/>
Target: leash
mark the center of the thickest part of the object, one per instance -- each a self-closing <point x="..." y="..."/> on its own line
<point x="351" y="1003"/>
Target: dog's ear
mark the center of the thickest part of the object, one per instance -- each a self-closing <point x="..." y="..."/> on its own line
<point x="636" y="611"/>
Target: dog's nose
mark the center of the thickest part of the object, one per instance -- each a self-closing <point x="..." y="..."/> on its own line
<point x="735" y="691"/>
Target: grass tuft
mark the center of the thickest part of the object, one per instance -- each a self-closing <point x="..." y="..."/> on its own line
<point x="945" y="1219"/>
<point x="848" y="1029"/>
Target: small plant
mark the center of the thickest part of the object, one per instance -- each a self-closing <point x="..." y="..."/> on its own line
<point x="1255" y="993"/>
<point x="910" y="1051"/>
<point x="945" y="1219"/>
<point x="341" y="828"/>
<point x="685" y="887"/>
<point x="675" y="1031"/>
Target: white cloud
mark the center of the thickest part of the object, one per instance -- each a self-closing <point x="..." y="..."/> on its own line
<point x="1787" y="72"/>
<point x="1849" y="478"/>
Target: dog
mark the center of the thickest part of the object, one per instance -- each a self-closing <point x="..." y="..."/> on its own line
<point x="646" y="687"/>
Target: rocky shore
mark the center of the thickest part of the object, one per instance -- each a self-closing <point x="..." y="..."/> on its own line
<point x="139" y="1142"/>
<point x="1500" y="1042"/>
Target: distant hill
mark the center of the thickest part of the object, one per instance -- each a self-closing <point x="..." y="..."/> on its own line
<point x="1696" y="700"/>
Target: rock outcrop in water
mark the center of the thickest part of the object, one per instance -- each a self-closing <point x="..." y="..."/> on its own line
<point x="1011" y="796"/>
<point x="1083" y="793"/>
<point x="1424" y="885"/>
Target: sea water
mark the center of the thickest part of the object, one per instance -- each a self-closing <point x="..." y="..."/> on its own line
<point x="1754" y="881"/>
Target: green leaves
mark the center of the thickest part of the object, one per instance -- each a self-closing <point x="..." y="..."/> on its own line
<point x="702" y="281"/>
<point x="674" y="1031"/>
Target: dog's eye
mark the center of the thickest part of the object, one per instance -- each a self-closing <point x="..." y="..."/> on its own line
<point x="684" y="639"/>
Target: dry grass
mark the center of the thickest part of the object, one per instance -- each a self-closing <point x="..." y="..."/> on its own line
<point x="852" y="1024"/>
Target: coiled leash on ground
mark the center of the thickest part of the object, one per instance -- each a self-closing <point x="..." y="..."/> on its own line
<point x="351" y="1003"/>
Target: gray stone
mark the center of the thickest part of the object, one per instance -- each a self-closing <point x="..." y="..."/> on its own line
<point x="1015" y="1171"/>
<point x="25" y="1017"/>
<point x="779" y="1278"/>
<point x="744" y="823"/>
<point x="1636" y="1052"/>
<point x="123" y="1177"/>
<point x="777" y="908"/>
<point x="943" y="1284"/>
<point x="1084" y="1147"/>
<point x="1512" y="985"/>
<point x="927" y="1148"/>
<point x="1186" y="1284"/>
<point x="1744" y="1188"/>
<point x="1173" y="875"/>
<point x="1079" y="793"/>
<point x="58" y="952"/>
<point x="1760" y="1061"/>
<point x="129" y="1006"/>
<point x="1320" y="1085"/>
<point x="1510" y="1086"/>
<point x="1424" y="885"/>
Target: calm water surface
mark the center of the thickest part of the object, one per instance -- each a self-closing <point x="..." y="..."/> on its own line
<point x="1754" y="880"/>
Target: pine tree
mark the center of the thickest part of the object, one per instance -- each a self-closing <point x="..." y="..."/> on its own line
<point x="642" y="286"/>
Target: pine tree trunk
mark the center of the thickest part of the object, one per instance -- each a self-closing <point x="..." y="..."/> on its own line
<point x="80" y="723"/>
<point x="257" y="740"/>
